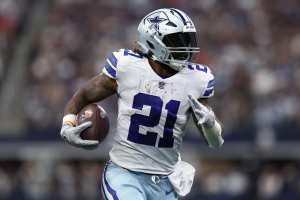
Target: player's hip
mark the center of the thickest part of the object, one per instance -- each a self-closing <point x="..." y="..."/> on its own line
<point x="119" y="183"/>
<point x="143" y="159"/>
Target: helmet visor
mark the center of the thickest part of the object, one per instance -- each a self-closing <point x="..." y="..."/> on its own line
<point x="180" y="39"/>
<point x="184" y="43"/>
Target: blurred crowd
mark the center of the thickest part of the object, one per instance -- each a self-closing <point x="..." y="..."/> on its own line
<point x="10" y="16"/>
<point x="73" y="180"/>
<point x="236" y="180"/>
<point x="252" y="46"/>
<point x="45" y="180"/>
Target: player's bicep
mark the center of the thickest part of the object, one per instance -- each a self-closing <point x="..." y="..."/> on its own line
<point x="96" y="89"/>
<point x="99" y="87"/>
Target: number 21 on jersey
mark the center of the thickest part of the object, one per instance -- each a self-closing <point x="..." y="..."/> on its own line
<point x="156" y="106"/>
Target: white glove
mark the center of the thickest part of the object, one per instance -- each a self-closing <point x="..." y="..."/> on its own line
<point x="206" y="118"/>
<point x="204" y="115"/>
<point x="72" y="135"/>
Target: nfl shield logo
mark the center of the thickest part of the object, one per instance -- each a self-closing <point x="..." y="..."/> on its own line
<point x="161" y="85"/>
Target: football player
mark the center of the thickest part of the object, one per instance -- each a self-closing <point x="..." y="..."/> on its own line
<point x="158" y="90"/>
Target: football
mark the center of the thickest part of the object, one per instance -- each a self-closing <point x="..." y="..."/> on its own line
<point x="100" y="122"/>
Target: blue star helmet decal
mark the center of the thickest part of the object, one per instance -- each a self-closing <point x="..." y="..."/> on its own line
<point x="155" y="21"/>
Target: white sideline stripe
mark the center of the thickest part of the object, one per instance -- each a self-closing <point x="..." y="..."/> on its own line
<point x="106" y="193"/>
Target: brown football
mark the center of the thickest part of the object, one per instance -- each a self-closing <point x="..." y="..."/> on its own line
<point x="100" y="123"/>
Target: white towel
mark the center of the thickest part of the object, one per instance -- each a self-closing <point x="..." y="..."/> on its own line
<point x="182" y="178"/>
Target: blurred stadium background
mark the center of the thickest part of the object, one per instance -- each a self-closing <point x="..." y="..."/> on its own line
<point x="48" y="48"/>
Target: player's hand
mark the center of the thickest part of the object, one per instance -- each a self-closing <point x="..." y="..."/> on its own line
<point x="204" y="115"/>
<point x="72" y="135"/>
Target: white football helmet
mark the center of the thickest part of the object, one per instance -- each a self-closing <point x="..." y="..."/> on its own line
<point x="168" y="35"/>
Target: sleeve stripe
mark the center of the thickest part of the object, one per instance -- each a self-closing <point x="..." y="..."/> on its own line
<point x="113" y="60"/>
<point x="208" y="92"/>
<point x="110" y="70"/>
<point x="211" y="83"/>
<point x="108" y="62"/>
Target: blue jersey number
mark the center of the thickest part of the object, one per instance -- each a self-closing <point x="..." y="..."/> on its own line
<point x="131" y="53"/>
<point x="152" y="120"/>
<point x="198" y="67"/>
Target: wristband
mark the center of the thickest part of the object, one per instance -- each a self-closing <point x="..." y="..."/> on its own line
<point x="69" y="119"/>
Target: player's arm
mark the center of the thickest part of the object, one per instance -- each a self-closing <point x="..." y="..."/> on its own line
<point x="96" y="89"/>
<point x="207" y="122"/>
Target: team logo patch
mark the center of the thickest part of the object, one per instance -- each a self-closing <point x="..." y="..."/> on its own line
<point x="189" y="25"/>
<point x="155" y="21"/>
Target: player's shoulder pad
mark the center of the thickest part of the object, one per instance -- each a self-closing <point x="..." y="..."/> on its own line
<point x="129" y="56"/>
<point x="118" y="59"/>
<point x="204" y="77"/>
<point x="209" y="82"/>
<point x="111" y="64"/>
<point x="125" y="56"/>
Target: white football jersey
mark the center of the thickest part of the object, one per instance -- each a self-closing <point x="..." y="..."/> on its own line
<point x="153" y="111"/>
